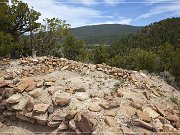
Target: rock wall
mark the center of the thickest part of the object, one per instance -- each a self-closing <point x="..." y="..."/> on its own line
<point x="86" y="98"/>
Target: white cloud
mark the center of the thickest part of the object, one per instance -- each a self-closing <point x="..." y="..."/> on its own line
<point x="95" y="2"/>
<point x="173" y="9"/>
<point x="159" y="1"/>
<point x="85" y="2"/>
<point x="76" y="16"/>
<point x="119" y="20"/>
<point x="113" y="2"/>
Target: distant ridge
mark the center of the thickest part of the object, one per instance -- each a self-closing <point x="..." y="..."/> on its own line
<point x="104" y="33"/>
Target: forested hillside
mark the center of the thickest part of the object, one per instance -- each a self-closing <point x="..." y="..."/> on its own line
<point x="104" y="33"/>
<point x="155" y="48"/>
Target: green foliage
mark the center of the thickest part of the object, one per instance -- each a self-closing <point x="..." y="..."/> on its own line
<point x="17" y="18"/>
<point x="74" y="49"/>
<point x="50" y="36"/>
<point x="101" y="54"/>
<point x="136" y="59"/>
<point x="5" y="44"/>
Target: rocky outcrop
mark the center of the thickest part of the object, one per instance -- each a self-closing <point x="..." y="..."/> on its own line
<point x="87" y="98"/>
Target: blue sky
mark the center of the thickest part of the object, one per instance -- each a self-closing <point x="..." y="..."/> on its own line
<point x="90" y="12"/>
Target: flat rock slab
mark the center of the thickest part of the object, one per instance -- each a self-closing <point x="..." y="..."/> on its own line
<point x="40" y="108"/>
<point x="14" y="99"/>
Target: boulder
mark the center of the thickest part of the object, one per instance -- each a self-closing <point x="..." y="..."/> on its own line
<point x="145" y="125"/>
<point x="49" y="83"/>
<point x="14" y="99"/>
<point x="143" y="116"/>
<point x="35" y="93"/>
<point x="41" y="118"/>
<point x="53" y="123"/>
<point x="23" y="84"/>
<point x="40" y="108"/>
<point x="87" y="123"/>
<point x="173" y="118"/>
<point x="79" y="89"/>
<point x="62" y="99"/>
<point x="150" y="112"/>
<point x="22" y="117"/>
<point x="7" y="92"/>
<point x="110" y="113"/>
<point x="70" y="115"/>
<point x="127" y="131"/>
<point x="160" y="110"/>
<point x="51" y="90"/>
<point x="62" y="126"/>
<point x="110" y="122"/>
<point x="82" y="96"/>
<point x="94" y="107"/>
<point x="72" y="125"/>
<point x="109" y="104"/>
<point x="29" y="105"/>
<point x="31" y="87"/>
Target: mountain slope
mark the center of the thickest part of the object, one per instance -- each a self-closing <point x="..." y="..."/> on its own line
<point x="105" y="33"/>
<point x="154" y="35"/>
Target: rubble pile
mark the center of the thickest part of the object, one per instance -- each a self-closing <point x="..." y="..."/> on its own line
<point x="82" y="98"/>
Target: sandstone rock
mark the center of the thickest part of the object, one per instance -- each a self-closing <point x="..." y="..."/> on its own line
<point x="2" y="84"/>
<point x="62" y="99"/>
<point x="143" y="116"/>
<point x="110" y="122"/>
<point x="109" y="104"/>
<point x="50" y="109"/>
<point x="31" y="87"/>
<point x="120" y="94"/>
<point x="22" y="117"/>
<point x="23" y="84"/>
<point x="70" y="115"/>
<point x="9" y="113"/>
<point x="49" y="83"/>
<point x="127" y="131"/>
<point x="150" y="112"/>
<point x="39" y="84"/>
<point x="14" y="99"/>
<point x="51" y="90"/>
<point x="110" y="113"/>
<point x="136" y="105"/>
<point x="168" y="128"/>
<point x="87" y="123"/>
<point x="1" y="125"/>
<point x="79" y="90"/>
<point x="157" y="123"/>
<point x="29" y="105"/>
<point x="72" y="124"/>
<point x="176" y="124"/>
<point x="147" y="95"/>
<point x="143" y="124"/>
<point x="40" y="108"/>
<point x="50" y="79"/>
<point x="35" y="93"/>
<point x="160" y="110"/>
<point x="62" y="126"/>
<point x="41" y="118"/>
<point x="82" y="96"/>
<point x="53" y="123"/>
<point x="94" y="107"/>
<point x="173" y="118"/>
<point x="128" y="111"/>
<point x="56" y="116"/>
<point x="7" y="93"/>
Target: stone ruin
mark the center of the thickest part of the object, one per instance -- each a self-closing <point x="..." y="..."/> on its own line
<point x="85" y="98"/>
